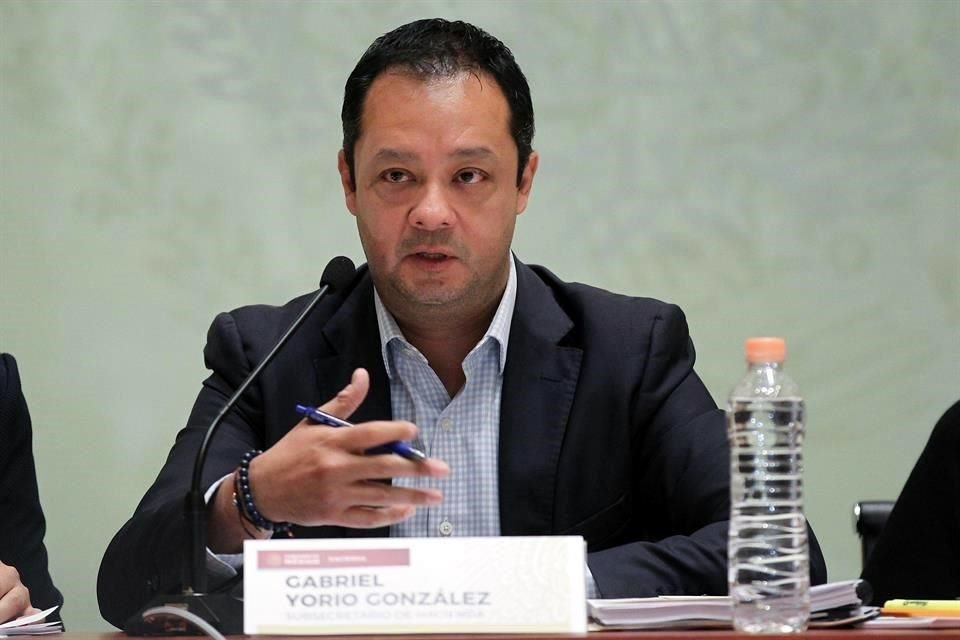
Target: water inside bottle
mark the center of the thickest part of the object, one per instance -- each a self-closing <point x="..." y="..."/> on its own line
<point x="768" y="556"/>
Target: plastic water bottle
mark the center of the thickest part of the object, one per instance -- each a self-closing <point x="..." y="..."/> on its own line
<point x="769" y="561"/>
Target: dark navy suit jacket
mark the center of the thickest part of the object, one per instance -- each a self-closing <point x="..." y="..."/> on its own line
<point x="23" y="525"/>
<point x="918" y="553"/>
<point x="605" y="432"/>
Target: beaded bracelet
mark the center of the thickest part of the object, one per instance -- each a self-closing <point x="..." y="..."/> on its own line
<point x="241" y="517"/>
<point x="243" y="498"/>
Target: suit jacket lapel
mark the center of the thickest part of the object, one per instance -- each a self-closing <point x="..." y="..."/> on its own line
<point x="539" y="382"/>
<point x="352" y="341"/>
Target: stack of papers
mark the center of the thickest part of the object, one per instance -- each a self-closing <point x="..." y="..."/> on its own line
<point x="31" y="625"/>
<point x="715" y="611"/>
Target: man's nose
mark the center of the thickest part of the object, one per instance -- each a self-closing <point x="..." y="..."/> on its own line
<point x="433" y="210"/>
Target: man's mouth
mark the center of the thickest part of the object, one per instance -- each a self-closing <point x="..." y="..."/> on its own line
<point x="430" y="255"/>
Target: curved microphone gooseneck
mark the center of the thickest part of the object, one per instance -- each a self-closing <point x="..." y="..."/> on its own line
<point x="338" y="273"/>
<point x="223" y="614"/>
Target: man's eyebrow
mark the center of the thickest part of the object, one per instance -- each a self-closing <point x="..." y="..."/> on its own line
<point x="474" y="152"/>
<point x="397" y="155"/>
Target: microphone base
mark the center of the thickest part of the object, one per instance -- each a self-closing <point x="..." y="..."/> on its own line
<point x="221" y="610"/>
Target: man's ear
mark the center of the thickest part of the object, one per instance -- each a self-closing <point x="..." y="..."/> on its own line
<point x="346" y="181"/>
<point x="526" y="181"/>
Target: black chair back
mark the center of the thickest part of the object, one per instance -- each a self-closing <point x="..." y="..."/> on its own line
<point x="869" y="517"/>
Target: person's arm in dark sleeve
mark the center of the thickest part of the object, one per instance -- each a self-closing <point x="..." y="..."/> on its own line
<point x="24" y="526"/>
<point x="917" y="555"/>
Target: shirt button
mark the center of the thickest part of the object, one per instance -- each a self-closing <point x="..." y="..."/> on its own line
<point x="445" y="528"/>
<point x="446" y="424"/>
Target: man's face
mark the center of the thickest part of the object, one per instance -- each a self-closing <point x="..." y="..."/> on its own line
<point x="436" y="194"/>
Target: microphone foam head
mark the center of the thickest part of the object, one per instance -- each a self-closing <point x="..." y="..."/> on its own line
<point x="338" y="273"/>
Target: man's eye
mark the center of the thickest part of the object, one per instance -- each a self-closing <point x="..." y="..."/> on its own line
<point x="469" y="176"/>
<point x="396" y="175"/>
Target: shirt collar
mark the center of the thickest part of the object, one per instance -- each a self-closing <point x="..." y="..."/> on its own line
<point x="498" y="330"/>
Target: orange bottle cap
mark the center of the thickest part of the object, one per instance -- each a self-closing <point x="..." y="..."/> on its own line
<point x="765" y="349"/>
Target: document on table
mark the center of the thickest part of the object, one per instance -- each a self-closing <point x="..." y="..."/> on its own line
<point x="912" y="622"/>
<point x="833" y="604"/>
<point x="32" y="625"/>
<point x="918" y="614"/>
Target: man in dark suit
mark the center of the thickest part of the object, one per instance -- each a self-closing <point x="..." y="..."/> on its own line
<point x="25" y="584"/>
<point x="560" y="408"/>
<point x="917" y="555"/>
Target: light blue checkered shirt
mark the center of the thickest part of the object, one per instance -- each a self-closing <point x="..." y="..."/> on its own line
<point x="463" y="431"/>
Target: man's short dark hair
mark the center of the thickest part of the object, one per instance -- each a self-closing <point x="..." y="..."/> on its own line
<point x="439" y="48"/>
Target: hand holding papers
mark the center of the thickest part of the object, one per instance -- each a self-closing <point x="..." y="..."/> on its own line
<point x="32" y="625"/>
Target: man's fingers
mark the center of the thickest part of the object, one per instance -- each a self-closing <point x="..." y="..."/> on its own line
<point x="378" y="494"/>
<point x="358" y="440"/>
<point x="363" y="517"/>
<point x="368" y="504"/>
<point x="372" y="434"/>
<point x="349" y="398"/>
<point x="14" y="596"/>
<point x="14" y="602"/>
<point x="9" y="578"/>
<point x="388" y="465"/>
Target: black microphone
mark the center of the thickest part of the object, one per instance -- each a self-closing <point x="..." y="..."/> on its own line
<point x="221" y="610"/>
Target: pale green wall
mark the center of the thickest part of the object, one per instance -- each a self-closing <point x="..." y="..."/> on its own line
<point x="773" y="167"/>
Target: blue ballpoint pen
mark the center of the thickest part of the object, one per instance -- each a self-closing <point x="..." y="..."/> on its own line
<point x="398" y="447"/>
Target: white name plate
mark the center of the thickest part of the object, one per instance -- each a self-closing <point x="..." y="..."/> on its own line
<point x="414" y="585"/>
